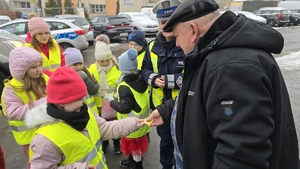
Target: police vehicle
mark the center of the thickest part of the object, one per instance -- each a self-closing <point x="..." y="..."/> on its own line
<point x="63" y="31"/>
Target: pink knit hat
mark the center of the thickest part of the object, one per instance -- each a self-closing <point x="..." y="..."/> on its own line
<point x="37" y="25"/>
<point x="65" y="86"/>
<point x="20" y="59"/>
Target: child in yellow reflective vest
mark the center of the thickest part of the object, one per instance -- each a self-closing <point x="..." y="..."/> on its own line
<point x="74" y="60"/>
<point x="42" y="41"/>
<point x="133" y="101"/>
<point x="137" y="40"/>
<point x="106" y="72"/>
<point x="24" y="91"/>
<point x="69" y="134"/>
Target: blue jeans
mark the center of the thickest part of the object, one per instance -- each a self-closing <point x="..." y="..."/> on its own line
<point x="166" y="146"/>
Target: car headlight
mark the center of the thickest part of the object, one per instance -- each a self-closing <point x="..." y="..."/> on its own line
<point x="144" y="25"/>
<point x="14" y="43"/>
<point x="17" y="43"/>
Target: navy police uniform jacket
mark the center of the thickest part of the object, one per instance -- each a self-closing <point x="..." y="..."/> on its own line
<point x="170" y="61"/>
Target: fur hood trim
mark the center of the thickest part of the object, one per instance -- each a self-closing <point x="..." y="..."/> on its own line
<point x="38" y="116"/>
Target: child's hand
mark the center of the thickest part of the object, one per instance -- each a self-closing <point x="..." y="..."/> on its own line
<point x="143" y="122"/>
<point x="108" y="97"/>
<point x="91" y="167"/>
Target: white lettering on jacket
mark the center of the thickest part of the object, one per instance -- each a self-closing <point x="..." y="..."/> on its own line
<point x="227" y="102"/>
<point x="191" y="93"/>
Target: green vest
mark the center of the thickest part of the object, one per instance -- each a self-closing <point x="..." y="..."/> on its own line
<point x="76" y="146"/>
<point x="142" y="100"/>
<point x="112" y="78"/>
<point x="21" y="133"/>
<point x="54" y="60"/>
<point x="157" y="93"/>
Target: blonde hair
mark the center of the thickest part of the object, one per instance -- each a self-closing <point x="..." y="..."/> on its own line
<point x="37" y="86"/>
<point x="31" y="15"/>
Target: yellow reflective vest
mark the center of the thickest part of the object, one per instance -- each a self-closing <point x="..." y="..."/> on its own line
<point x="140" y="59"/>
<point x="142" y="100"/>
<point x="90" y="102"/>
<point x="112" y="78"/>
<point x="75" y="145"/>
<point x="21" y="133"/>
<point x="54" y="60"/>
<point x="157" y="93"/>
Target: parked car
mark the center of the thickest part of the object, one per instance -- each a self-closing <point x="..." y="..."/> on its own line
<point x="276" y="16"/>
<point x="63" y="31"/>
<point x="148" y="11"/>
<point x="251" y="16"/>
<point x="295" y="16"/>
<point x="112" y="26"/>
<point x="8" y="41"/>
<point x="4" y="19"/>
<point x="141" y="22"/>
<point x="83" y="23"/>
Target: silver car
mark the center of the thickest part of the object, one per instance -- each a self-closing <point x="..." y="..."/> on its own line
<point x="141" y="22"/>
<point x="63" y="31"/>
<point x="83" y="23"/>
<point x="8" y="42"/>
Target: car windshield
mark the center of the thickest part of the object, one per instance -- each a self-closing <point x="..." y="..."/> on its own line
<point x="284" y="11"/>
<point x="247" y="14"/>
<point x="116" y="21"/>
<point x="140" y="17"/>
<point x="80" y="21"/>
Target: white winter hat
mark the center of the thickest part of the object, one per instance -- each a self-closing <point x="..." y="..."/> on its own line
<point x="102" y="51"/>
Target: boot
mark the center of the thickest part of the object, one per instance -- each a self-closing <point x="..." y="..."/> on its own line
<point x="105" y="144"/>
<point x="127" y="163"/>
<point x="117" y="146"/>
<point x="137" y="165"/>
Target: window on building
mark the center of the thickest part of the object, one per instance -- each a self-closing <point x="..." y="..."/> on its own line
<point x="97" y="8"/>
<point x="25" y="5"/>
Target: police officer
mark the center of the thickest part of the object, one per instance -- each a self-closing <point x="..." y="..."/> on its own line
<point x="162" y="69"/>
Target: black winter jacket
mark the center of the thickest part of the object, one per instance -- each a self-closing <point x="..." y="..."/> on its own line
<point x="127" y="101"/>
<point x="233" y="109"/>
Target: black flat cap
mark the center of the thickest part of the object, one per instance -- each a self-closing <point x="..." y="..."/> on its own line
<point x="189" y="10"/>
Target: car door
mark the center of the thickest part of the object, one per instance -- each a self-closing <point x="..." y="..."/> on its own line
<point x="98" y="24"/>
<point x="17" y="28"/>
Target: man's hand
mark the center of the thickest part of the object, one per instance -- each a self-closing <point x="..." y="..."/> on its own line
<point x="155" y="118"/>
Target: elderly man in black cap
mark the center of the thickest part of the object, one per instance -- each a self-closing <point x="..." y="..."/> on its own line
<point x="233" y="110"/>
<point x="162" y="69"/>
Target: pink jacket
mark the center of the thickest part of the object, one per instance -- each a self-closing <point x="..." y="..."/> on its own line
<point x="48" y="155"/>
<point x="14" y="107"/>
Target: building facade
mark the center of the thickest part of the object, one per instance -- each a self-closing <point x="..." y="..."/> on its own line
<point x="112" y="7"/>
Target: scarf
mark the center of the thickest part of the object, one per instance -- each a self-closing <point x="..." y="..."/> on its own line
<point x="102" y="70"/>
<point x="76" y="120"/>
